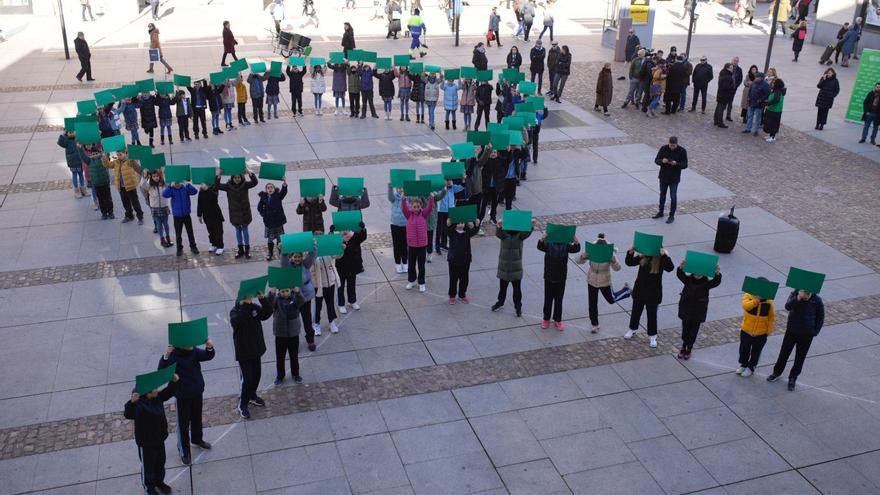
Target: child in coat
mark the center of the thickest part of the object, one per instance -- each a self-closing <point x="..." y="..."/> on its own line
<point x="386" y="90"/>
<point x="759" y="318"/>
<point x="150" y="432"/>
<point x="246" y="318"/>
<point x="286" y="324"/>
<point x="147" y="105"/>
<point x="431" y="95"/>
<point x="181" y="207"/>
<point x="273" y="89"/>
<point x="349" y="203"/>
<point x="312" y="211"/>
<point x="126" y="174"/>
<point x="128" y="108"/>
<point x="67" y="141"/>
<point x="295" y="75"/>
<point x="272" y="211"/>
<point x="307" y="289"/>
<point x="647" y="292"/>
<point x="693" y="306"/>
<point x="228" y="97"/>
<point x="99" y="179"/>
<point x="241" y="99"/>
<point x="215" y="105"/>
<point x="510" y="267"/>
<point x="236" y="189"/>
<point x="468" y="100"/>
<point x="348" y="266"/>
<point x="416" y="238"/>
<point x="398" y="229"/>
<point x="209" y="213"/>
<point x="555" y="275"/>
<point x="450" y="100"/>
<point x="153" y="184"/>
<point x="459" y="258"/>
<point x="599" y="280"/>
<point x="184" y="112"/>
<point x="354" y="92"/>
<point x="164" y="103"/>
<point x="325" y="278"/>
<point x="443" y="206"/>
<point x="318" y="87"/>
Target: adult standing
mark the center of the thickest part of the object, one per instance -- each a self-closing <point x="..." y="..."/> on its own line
<point x="672" y="159"/>
<point x="773" y="114"/>
<point x="347" y="39"/>
<point x="724" y="95"/>
<point x="229" y="43"/>
<point x="798" y="37"/>
<point x="871" y="113"/>
<point x="154" y="7"/>
<point x="494" y="32"/>
<point x="277" y="13"/>
<point x="848" y="47"/>
<point x="86" y="5"/>
<point x="632" y="44"/>
<point x="747" y="85"/>
<point x="782" y="15"/>
<point x="604" y="89"/>
<point x="247" y="338"/>
<point x="838" y="47"/>
<point x="757" y="96"/>
<point x="514" y="58"/>
<point x="737" y="73"/>
<point x="635" y="67"/>
<point x="552" y="57"/>
<point x="676" y="78"/>
<point x="536" y="63"/>
<point x="85" y="57"/>
<point x="156" y="45"/>
<point x="702" y="76"/>
<point x="688" y="70"/>
<point x="563" y="69"/>
<point x="829" y="88"/>
<point x="806" y="315"/>
<point x="479" y="60"/>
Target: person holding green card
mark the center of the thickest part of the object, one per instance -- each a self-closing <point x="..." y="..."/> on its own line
<point x="510" y="266"/>
<point x="349" y="203"/>
<point x="286" y="324"/>
<point x="386" y="90"/>
<point x="404" y="90"/>
<point x="483" y="100"/>
<point x="693" y="305"/>
<point x="759" y="319"/>
<point x="354" y="92"/>
<point x="99" y="177"/>
<point x="126" y="173"/>
<point x="806" y="315"/>
<point x="273" y="90"/>
<point x="599" y="280"/>
<point x="459" y="257"/>
<point x="312" y="210"/>
<point x="365" y="75"/>
<point x="246" y="318"/>
<point x="181" y="207"/>
<point x="431" y="91"/>
<point x="417" y="96"/>
<point x="152" y="184"/>
<point x="209" y="213"/>
<point x="647" y="293"/>
<point x="295" y="75"/>
<point x="468" y="100"/>
<point x="67" y="140"/>
<point x="450" y="100"/>
<point x="318" y="86"/>
<point x="128" y="108"/>
<point x="339" y="86"/>
<point x="325" y="279"/>
<point x="555" y="276"/>
<point x="398" y="229"/>
<point x="271" y="209"/>
<point x="236" y="189"/>
<point x="348" y="266"/>
<point x="417" y="239"/>
<point x="257" y="92"/>
<point x="150" y="431"/>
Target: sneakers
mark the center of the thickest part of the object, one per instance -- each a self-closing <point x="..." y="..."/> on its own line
<point x="409" y="285"/>
<point x="297" y="379"/>
<point x="422" y="288"/>
<point x="219" y="251"/>
<point x="452" y="301"/>
<point x="741" y="370"/>
<point x="356" y="306"/>
<point x="317" y="328"/>
<point x="670" y="219"/>
<point x="653" y="342"/>
<point x="430" y="257"/>
<point x="545" y="324"/>
<point x="682" y="353"/>
<point x="747" y="373"/>
<point x="464" y="299"/>
<point x="497" y="306"/>
<point x="343" y="310"/>
<point x="258" y="401"/>
<point x="560" y="326"/>
<point x="398" y="268"/>
<point x="518" y="312"/>
<point x="333" y="327"/>
<point x="659" y="214"/>
<point x="594" y="329"/>
<point x="244" y="412"/>
<point x="629" y="334"/>
<point x="772" y="377"/>
<point x="770" y="139"/>
<point x="212" y="249"/>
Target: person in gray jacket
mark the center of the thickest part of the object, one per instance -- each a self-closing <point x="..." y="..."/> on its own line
<point x="307" y="290"/>
<point x="286" y="324"/>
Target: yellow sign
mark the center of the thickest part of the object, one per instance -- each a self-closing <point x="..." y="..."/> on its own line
<point x="639" y="14"/>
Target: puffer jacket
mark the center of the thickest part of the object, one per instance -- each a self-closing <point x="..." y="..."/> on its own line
<point x="255" y="84"/>
<point x="759" y="317"/>
<point x="286" y="321"/>
<point x="97" y="174"/>
<point x="417" y="223"/>
<point x="71" y="151"/>
<point x="352" y="260"/>
<point x="295" y="76"/>
<point x="181" y="205"/>
<point x="432" y="89"/>
<point x="805" y="317"/>
<point x="147" y="104"/>
<point x="229" y="93"/>
<point x="241" y="92"/>
<point x="599" y="274"/>
<point x="238" y="200"/>
<point x="450" y="95"/>
<point x="386" y="84"/>
<point x="128" y="170"/>
<point x="354" y="81"/>
<point x="468" y="94"/>
<point x="312" y="211"/>
<point x="271" y="207"/>
<point x="365" y="73"/>
<point x="153" y="194"/>
<point x="693" y="305"/>
<point x="510" y="266"/>
<point x="556" y="259"/>
<point x="404" y="81"/>
<point x="324" y="273"/>
<point x="318" y="85"/>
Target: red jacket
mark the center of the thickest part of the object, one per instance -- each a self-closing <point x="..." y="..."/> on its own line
<point x="417" y="223"/>
<point x="228" y="40"/>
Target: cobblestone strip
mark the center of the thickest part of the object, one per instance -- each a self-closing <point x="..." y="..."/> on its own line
<point x="111" y="427"/>
<point x="170" y="262"/>
<point x="28" y="129"/>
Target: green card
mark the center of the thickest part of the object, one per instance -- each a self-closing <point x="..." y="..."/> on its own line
<point x="451" y="74"/>
<point x="113" y="143"/>
<point x="436" y="69"/>
<point x="528" y="88"/>
<point x="698" y="263"/>
<point x="765" y="289"/>
<point x="499" y="140"/>
<point x="350" y="186"/>
<point x="153" y="162"/>
<point x="272" y="171"/>
<point x="383" y="63"/>
<point x="312" y="188"/>
<point x="369" y="57"/>
<point x="560" y="233"/>
<point x="355" y="55"/>
<point x="417" y="188"/>
<point x="176" y="173"/>
<point x="87" y="107"/>
<point x="285" y="278"/>
<point x="127" y="91"/>
<point x="485" y="75"/>
<point x="87" y="132"/>
<point x="69" y="123"/>
<point x="104" y="97"/>
<point x="252" y="287"/>
<point x="188" y="333"/>
<point x="493" y="127"/>
<point x="275" y="68"/>
<point x="516" y="138"/>
<point x="599" y="253"/>
<point x="529" y="119"/>
<point x="517" y="220"/>
<point x="461" y="151"/>
<point x="401" y="60"/>
<point x="400" y="175"/>
<point x="165" y="87"/>
<point x="239" y="65"/>
<point x="523" y="108"/>
<point x="800" y="279"/>
<point x="301" y="242"/>
<point x="136" y="152"/>
<point x="347" y="220"/>
<point x="537" y="103"/>
<point x="203" y="175"/>
<point x="218" y="77"/>
<point x="230" y="73"/>
<point x="438" y="182"/>
<point x="468" y="72"/>
<point x="647" y="244"/>
<point x="308" y="51"/>
<point x="337" y="58"/>
<point x="329" y="244"/>
<point x="316" y="61"/>
<point x="453" y="170"/>
<point x="513" y="123"/>
<point x="511" y="75"/>
<point x="416" y="67"/>
<point x="233" y="166"/>
<point x="463" y="214"/>
<point x="478" y="138"/>
<point x="258" y="68"/>
<point x="181" y="80"/>
<point x="146" y="85"/>
<point x="151" y="381"/>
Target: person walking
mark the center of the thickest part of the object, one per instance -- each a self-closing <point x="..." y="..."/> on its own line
<point x="392" y="13"/>
<point x="229" y="43"/>
<point x="701" y="77"/>
<point x="536" y="63"/>
<point x="548" y="23"/>
<point x="756" y="96"/>
<point x="276" y="10"/>
<point x="806" y="315"/>
<point x="782" y="15"/>
<point x="798" y="37"/>
<point x="85" y="57"/>
<point x="154" y="9"/>
<point x="604" y="89"/>
<point x="86" y="6"/>
<point x="552" y="57"/>
<point x="563" y="69"/>
<point x="416" y="28"/>
<point x="632" y="45"/>
<point x="156" y="45"/>
<point x="528" y="18"/>
<point x="671" y="159"/>
<point x="829" y="88"/>
<point x="724" y="95"/>
<point x="635" y="67"/>
<point x="773" y="113"/>
<point x="494" y="32"/>
<point x="871" y="114"/>
<point x="347" y="39"/>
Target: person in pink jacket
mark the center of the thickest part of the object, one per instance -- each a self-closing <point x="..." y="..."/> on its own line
<point x="416" y="237"/>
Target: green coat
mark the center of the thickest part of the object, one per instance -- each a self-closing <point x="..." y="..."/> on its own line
<point x="354" y="81"/>
<point x="98" y="175"/>
<point x="510" y="267"/>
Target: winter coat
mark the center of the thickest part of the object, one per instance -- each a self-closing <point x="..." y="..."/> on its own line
<point x="191" y="383"/>
<point x="238" y="200"/>
<point x="215" y="97"/>
<point x="352" y="261"/>
<point x="208" y="206"/>
<point x="153" y="194"/>
<point x="404" y="81"/>
<point x="164" y="103"/>
<point x="71" y="151"/>
<point x="514" y="60"/>
<point x="129" y="114"/>
<point x="563" y="64"/>
<point x="183" y="106"/>
<point x="307" y="289"/>
<point x="286" y="321"/>
<point x="324" y="273"/>
<point x="154" y="40"/>
<point x="552" y="58"/>
<point x="635" y="68"/>
<point x="247" y="329"/>
<point x="228" y="40"/>
<point x="556" y="259"/>
<point x="181" y="206"/>
<point x="127" y="170"/>
<point x="348" y="40"/>
<point x="757" y="93"/>
<point x="150" y="424"/>
<point x="694" y="301"/>
<point x="676" y="77"/>
<point x="726" y="87"/>
<point x="386" y="84"/>
<point x="849" y="40"/>
<point x="450" y="95"/>
<point x="468" y="94"/>
<point x="510" y="266"/>
<point x="871" y="104"/>
<point x="479" y="60"/>
<point x="273" y="85"/>
<point x="340" y="78"/>
<point x="648" y="288"/>
<point x="804" y="317"/>
<point x="460" y="244"/>
<point x="536" y="59"/>
<point x="349" y="203"/>
<point x="312" y="211"/>
<point x="416" y="223"/>
<point x="432" y="89"/>
<point x="241" y="91"/>
<point x="599" y="274"/>
<point x="797" y="44"/>
<point x="366" y="78"/>
<point x="759" y="316"/>
<point x="354" y="81"/>
<point x="271" y="208"/>
<point x="147" y="104"/>
<point x="199" y="96"/>
<point x="397" y="218"/>
<point x="671" y="174"/>
<point x="604" y="88"/>
<point x="828" y="90"/>
<point x="632" y="42"/>
<point x="737" y="76"/>
<point x="82" y="49"/>
<point x="484" y="94"/>
<point x="97" y="174"/>
<point x="747" y="86"/>
<point x="318" y="85"/>
<point x="494" y="22"/>
<point x="702" y="75"/>
<point x="255" y="84"/>
<point x="295" y="76"/>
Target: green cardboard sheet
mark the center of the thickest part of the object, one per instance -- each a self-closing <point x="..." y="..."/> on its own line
<point x="337" y="58"/>
<point x="113" y="143"/>
<point x="499" y="140"/>
<point x="537" y="103"/>
<point x="148" y="382"/>
<point x="461" y="151"/>
<point x="369" y="57"/>
<point x="521" y="108"/>
<point x="347" y="220"/>
<point x="463" y="214"/>
<point x="154" y="162"/>
<point x="165" y="87"/>
<point x="146" y="85"/>
<point x="285" y="278"/>
<point x="272" y="171"/>
<point x="188" y="333"/>
<point x="239" y="65"/>
<point x="528" y="88"/>
<point x="181" y="80"/>
<point x="252" y="287"/>
<point x="87" y="132"/>
<point x="468" y="72"/>
<point x="416" y="67"/>
<point x="451" y="74"/>
<point x="258" y="68"/>
<point x="302" y="242"/>
<point x="176" y="173"/>
<point x="698" y="263"/>
<point x="203" y="175"/>
<point x="329" y="244"/>
<point x="801" y="279"/>
<point x="765" y="289"/>
<point x="514" y="123"/>
<point x="230" y="73"/>
<point x="599" y="253"/>
<point x="384" y="63"/>
<point x="69" y="123"/>
<point x="512" y="75"/>
<point x="496" y="127"/>
<point x="127" y="91"/>
<point x="105" y="97"/>
<point x="478" y="138"/>
<point x="399" y="175"/>
<point x="647" y="244"/>
<point x="218" y="77"/>
<point x="87" y="107"/>
<point x="350" y="186"/>
<point x="438" y="182"/>
<point x="417" y="188"/>
<point x="516" y="138"/>
<point x="317" y="61"/>
<point x="452" y="170"/>
<point x="275" y="68"/>
<point x="436" y="69"/>
<point x="312" y="188"/>
<point x="517" y="220"/>
<point x="297" y="61"/>
<point x="485" y="75"/>
<point x="137" y="152"/>
<point x="356" y="55"/>
<point x="560" y="233"/>
<point x="233" y="166"/>
<point x="401" y="60"/>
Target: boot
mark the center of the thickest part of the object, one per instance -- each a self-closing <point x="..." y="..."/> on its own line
<point x="170" y="141"/>
<point x="247" y="251"/>
<point x="453" y="125"/>
<point x="240" y="252"/>
<point x="447" y="125"/>
<point x="168" y="241"/>
<point x="151" y="143"/>
<point x="83" y="192"/>
<point x="161" y="140"/>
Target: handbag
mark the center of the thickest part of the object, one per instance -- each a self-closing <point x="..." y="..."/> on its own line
<point x="490" y="35"/>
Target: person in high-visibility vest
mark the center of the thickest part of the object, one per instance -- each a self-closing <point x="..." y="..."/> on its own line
<point x="416" y="28"/>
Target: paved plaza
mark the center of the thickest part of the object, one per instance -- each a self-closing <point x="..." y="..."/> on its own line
<point x="414" y="396"/>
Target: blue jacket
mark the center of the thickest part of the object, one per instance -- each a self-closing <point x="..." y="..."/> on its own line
<point x="448" y="201"/>
<point x="366" y="74"/>
<point x="397" y="218"/>
<point x="181" y="206"/>
<point x="805" y="316"/>
<point x="164" y="103"/>
<point x="129" y="115"/>
<point x="255" y="84"/>
<point x="189" y="369"/>
<point x="271" y="208"/>
<point x="849" y="40"/>
<point x="450" y="94"/>
<point x="758" y="93"/>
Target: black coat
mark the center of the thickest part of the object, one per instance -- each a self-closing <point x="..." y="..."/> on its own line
<point x="737" y="76"/>
<point x="312" y="211"/>
<point x="694" y="302"/>
<point x="247" y="331"/>
<point x="563" y="64"/>
<point x="295" y="75"/>
<point x="417" y="93"/>
<point x="871" y="104"/>
<point x="484" y="93"/>
<point x="208" y="206"/>
<point x="797" y="44"/>
<point x="213" y="92"/>
<point x="150" y="424"/>
<point x="148" y="112"/>
<point x="352" y="260"/>
<point x="631" y="43"/>
<point x="676" y="78"/>
<point x="271" y="208"/>
<point x="671" y="174"/>
<point x="460" y="245"/>
<point x="536" y="58"/>
<point x="479" y="60"/>
<point x="348" y="40"/>
<point x="556" y="259"/>
<point x="386" y="83"/>
<point x="238" y="200"/>
<point x="82" y="49"/>
<point x="726" y="87"/>
<point x="702" y="75"/>
<point x="805" y="317"/>
<point x="514" y="60"/>
<point x="189" y="369"/>
<point x="828" y="90"/>
<point x="648" y="288"/>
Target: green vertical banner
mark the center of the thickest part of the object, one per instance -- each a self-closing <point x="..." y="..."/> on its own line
<point x="866" y="78"/>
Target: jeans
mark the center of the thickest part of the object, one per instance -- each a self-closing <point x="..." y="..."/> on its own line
<point x="517" y="292"/>
<point x="683" y="98"/>
<point x="466" y="117"/>
<point x="673" y="196"/>
<point x="386" y="104"/>
<point x="559" y="84"/>
<point x="450" y="113"/>
<point x="689" y="331"/>
<point x="242" y="236"/>
<point x="77" y="177"/>
<point x="215" y="120"/>
<point x="318" y="100"/>
<point x="227" y="114"/>
<point x="750" y="348"/>
<point x="631" y="96"/>
<point x="800" y="343"/>
<point x="165" y="125"/>
<point x="339" y="99"/>
<point x="655" y="102"/>
<point x="870" y="119"/>
<point x="431" y="106"/>
<point x="416" y="257"/>
<point x="420" y="110"/>
<point x="753" y="115"/>
<point x="404" y="101"/>
<point x="286" y="346"/>
<point x="546" y="27"/>
<point x="553" y="294"/>
<point x="135" y="137"/>
<point x="636" y="315"/>
<point x="161" y="225"/>
<point x="540" y="77"/>
<point x="272" y="105"/>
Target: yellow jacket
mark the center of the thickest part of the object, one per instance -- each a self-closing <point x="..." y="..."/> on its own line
<point x="128" y="169"/>
<point x="758" y="317"/>
<point x="241" y="92"/>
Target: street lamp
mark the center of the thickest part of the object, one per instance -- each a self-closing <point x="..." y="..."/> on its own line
<point x="63" y="31"/>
